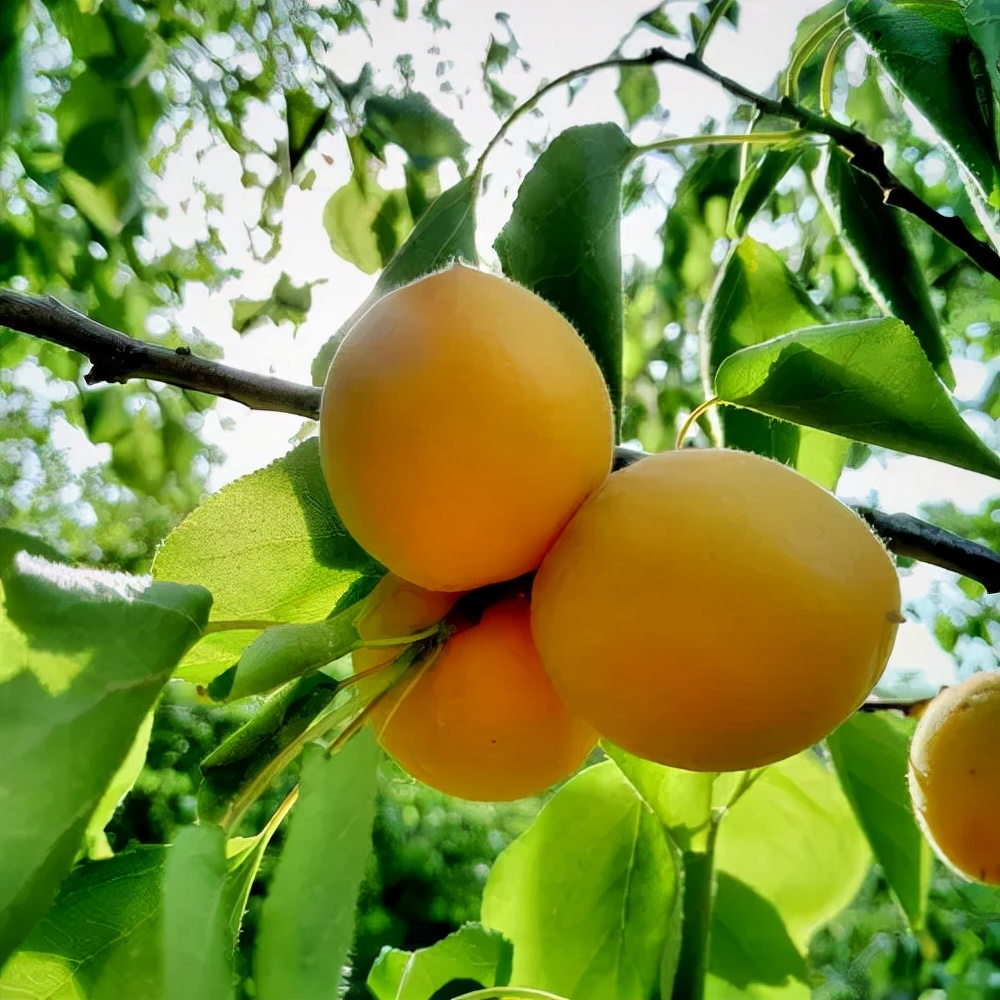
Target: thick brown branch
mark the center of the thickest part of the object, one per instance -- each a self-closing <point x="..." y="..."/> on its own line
<point x="116" y="357"/>
<point x="865" y="155"/>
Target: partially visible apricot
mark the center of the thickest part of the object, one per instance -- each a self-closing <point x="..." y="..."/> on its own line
<point x="714" y="610"/>
<point x="954" y="776"/>
<point x="394" y="608"/>
<point x="482" y="720"/>
<point x="463" y="422"/>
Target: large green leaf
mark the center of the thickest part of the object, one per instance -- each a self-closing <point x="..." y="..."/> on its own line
<point x="307" y="921"/>
<point x="873" y="236"/>
<point x="563" y="240"/>
<point x="681" y="799"/>
<point x="870" y="752"/>
<point x="982" y="18"/>
<point x="270" y="547"/>
<point x="445" y="232"/>
<point x="773" y="837"/>
<point x="589" y="894"/>
<point x="197" y="943"/>
<point x="868" y="380"/>
<point x="101" y="939"/>
<point x="751" y="955"/>
<point x="756" y="298"/>
<point x="925" y="47"/>
<point x="147" y="924"/>
<point x="473" y="957"/>
<point x="92" y="652"/>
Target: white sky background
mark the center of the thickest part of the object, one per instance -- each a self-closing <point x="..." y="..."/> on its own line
<point x="555" y="36"/>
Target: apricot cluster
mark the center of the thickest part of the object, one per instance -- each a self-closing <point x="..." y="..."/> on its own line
<point x="705" y="609"/>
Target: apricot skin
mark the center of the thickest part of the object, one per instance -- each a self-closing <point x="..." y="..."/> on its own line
<point x="482" y="720"/>
<point x="714" y="610"/>
<point x="954" y="776"/>
<point x="463" y="422"/>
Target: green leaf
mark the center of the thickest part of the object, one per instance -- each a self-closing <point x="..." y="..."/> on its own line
<point x="982" y="19"/>
<point x="287" y="301"/>
<point x="871" y="752"/>
<point x="756" y="298"/>
<point x="416" y="126"/>
<point x="563" y="239"/>
<point x="366" y="223"/>
<point x="101" y="939"/>
<point x="772" y="837"/>
<point x="98" y="648"/>
<point x="270" y="547"/>
<point x="120" y="785"/>
<point x="197" y="944"/>
<point x="659" y="21"/>
<point x="758" y="184"/>
<point x="444" y="233"/>
<point x="874" y="238"/>
<point x="751" y="955"/>
<point x="589" y="894"/>
<point x="260" y="748"/>
<point x="471" y="954"/>
<point x="681" y="799"/>
<point x="304" y="120"/>
<point x="284" y="652"/>
<point x="925" y="47"/>
<point x="13" y="67"/>
<point x="307" y="920"/>
<point x="637" y="92"/>
<point x="868" y="380"/>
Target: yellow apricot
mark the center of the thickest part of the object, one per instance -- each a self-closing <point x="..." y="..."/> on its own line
<point x="954" y="776"/>
<point x="714" y="610"/>
<point x="463" y="422"/>
<point x="482" y="720"/>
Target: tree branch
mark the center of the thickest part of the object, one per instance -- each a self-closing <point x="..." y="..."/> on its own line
<point x="116" y="357"/>
<point x="864" y="154"/>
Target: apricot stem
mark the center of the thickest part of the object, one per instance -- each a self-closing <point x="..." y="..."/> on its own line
<point x="404" y="640"/>
<point x="691" y="418"/>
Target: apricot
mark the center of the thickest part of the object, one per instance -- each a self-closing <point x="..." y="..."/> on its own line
<point x="954" y="776"/>
<point x="463" y="421"/>
<point x="714" y="610"/>
<point x="482" y="720"/>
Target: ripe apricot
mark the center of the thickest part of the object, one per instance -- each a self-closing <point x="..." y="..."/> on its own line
<point x="954" y="776"/>
<point x="463" y="422"/>
<point x="482" y="720"/>
<point x="714" y="610"/>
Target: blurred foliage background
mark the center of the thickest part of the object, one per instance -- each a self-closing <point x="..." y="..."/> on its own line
<point x="98" y="101"/>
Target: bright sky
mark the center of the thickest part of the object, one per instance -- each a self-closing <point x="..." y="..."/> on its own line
<point x="754" y="56"/>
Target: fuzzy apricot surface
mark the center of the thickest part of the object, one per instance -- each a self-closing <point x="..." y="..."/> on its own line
<point x="954" y="776"/>
<point x="482" y="720"/>
<point x="463" y="422"/>
<point x="714" y="610"/>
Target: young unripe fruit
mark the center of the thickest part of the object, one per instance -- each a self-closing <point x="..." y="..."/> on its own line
<point x="482" y="720"/>
<point x="714" y="610"/>
<point x="463" y="422"/>
<point x="955" y="776"/>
